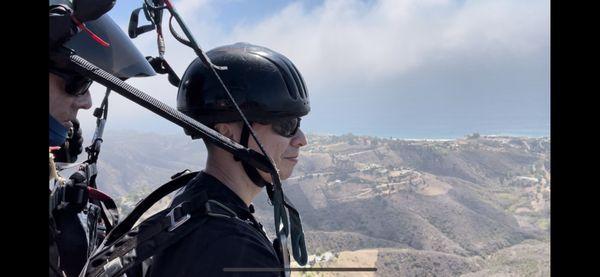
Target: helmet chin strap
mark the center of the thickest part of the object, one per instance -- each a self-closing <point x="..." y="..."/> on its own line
<point x="251" y="171"/>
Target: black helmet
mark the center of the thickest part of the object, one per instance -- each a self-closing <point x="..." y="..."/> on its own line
<point x="265" y="84"/>
<point x="121" y="58"/>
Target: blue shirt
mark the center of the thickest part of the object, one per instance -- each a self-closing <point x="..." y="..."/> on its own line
<point x="57" y="132"/>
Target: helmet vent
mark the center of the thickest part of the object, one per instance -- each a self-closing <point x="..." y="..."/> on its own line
<point x="285" y="74"/>
<point x="302" y="87"/>
<point x="295" y="75"/>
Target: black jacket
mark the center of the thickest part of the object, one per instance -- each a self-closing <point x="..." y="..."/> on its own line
<point x="220" y="242"/>
<point x="53" y="248"/>
<point x="67" y="243"/>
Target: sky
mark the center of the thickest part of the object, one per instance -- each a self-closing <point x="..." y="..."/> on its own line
<point x="390" y="68"/>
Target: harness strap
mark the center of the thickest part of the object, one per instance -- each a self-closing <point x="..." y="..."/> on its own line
<point x="251" y="171"/>
<point x="156" y="234"/>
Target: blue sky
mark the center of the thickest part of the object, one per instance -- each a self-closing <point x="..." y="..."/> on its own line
<point x="402" y="68"/>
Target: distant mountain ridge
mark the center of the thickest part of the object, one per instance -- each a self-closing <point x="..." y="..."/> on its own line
<point x="465" y="199"/>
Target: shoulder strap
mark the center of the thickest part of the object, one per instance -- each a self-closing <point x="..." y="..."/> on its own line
<point x="154" y="235"/>
<point x="178" y="180"/>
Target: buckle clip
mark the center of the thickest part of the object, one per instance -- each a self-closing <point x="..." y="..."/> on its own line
<point x="177" y="221"/>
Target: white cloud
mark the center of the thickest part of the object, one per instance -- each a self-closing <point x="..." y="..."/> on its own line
<point x="342" y="43"/>
<point x="353" y="40"/>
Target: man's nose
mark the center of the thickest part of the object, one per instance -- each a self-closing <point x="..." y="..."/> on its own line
<point x="299" y="139"/>
<point x="84" y="101"/>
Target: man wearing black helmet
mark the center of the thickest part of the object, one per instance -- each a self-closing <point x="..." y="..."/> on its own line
<point x="272" y="94"/>
<point x="89" y="33"/>
<point x="100" y="41"/>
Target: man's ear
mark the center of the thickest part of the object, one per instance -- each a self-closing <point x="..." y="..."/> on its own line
<point x="230" y="130"/>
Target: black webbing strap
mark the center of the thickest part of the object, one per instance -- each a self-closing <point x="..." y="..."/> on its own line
<point x="145" y="204"/>
<point x="251" y="171"/>
<point x="155" y="234"/>
<point x="297" y="233"/>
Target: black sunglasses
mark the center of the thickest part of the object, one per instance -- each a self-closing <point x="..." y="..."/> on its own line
<point x="75" y="84"/>
<point x="287" y="127"/>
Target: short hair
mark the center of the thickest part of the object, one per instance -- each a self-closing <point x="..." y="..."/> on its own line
<point x="210" y="145"/>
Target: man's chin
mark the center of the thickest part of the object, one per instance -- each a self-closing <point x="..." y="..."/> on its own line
<point x="67" y="124"/>
<point x="284" y="175"/>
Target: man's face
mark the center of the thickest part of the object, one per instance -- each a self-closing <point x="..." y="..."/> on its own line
<point x="64" y="107"/>
<point x="284" y="151"/>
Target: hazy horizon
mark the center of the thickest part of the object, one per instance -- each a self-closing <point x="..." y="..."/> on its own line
<point x="176" y="131"/>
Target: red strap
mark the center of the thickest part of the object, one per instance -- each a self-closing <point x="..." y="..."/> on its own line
<point x="94" y="36"/>
<point x="97" y="194"/>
